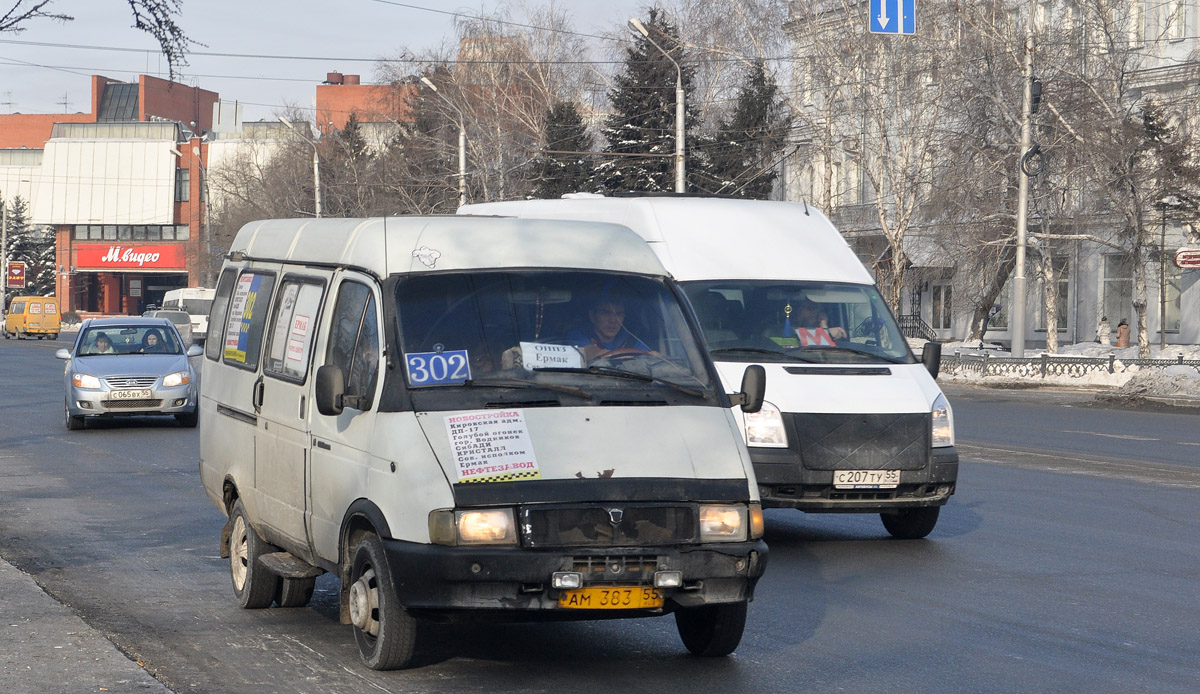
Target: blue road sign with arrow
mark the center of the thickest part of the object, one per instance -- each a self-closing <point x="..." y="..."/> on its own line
<point x="893" y="17"/>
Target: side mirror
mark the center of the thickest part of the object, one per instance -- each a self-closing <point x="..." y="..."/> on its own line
<point x="62" y="354"/>
<point x="195" y="351"/>
<point x="931" y="357"/>
<point x="331" y="385"/>
<point x="754" y="389"/>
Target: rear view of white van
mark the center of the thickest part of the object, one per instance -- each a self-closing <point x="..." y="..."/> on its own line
<point x="853" y="422"/>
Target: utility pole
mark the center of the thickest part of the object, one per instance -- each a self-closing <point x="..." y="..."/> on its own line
<point x="3" y="251"/>
<point x="316" y="165"/>
<point x="462" y="141"/>
<point x="1020" y="310"/>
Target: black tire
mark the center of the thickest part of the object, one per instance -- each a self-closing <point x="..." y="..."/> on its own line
<point x="253" y="585"/>
<point x="73" y="423"/>
<point x="385" y="632"/>
<point x="295" y="592"/>
<point x="712" y="630"/>
<point x="54" y="336"/>
<point x="188" y="419"/>
<point x="911" y="523"/>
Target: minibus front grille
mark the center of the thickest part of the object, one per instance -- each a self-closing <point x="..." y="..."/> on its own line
<point x="637" y="525"/>
<point x="887" y="441"/>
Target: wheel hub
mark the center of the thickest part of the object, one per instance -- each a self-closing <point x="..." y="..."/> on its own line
<point x="364" y="603"/>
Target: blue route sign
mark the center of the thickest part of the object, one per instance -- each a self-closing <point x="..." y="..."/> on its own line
<point x="893" y="17"/>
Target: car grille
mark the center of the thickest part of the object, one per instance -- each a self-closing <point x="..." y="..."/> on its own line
<point x="615" y="568"/>
<point x="131" y="381"/>
<point x="132" y="404"/>
<point x="594" y="526"/>
<point x="863" y="441"/>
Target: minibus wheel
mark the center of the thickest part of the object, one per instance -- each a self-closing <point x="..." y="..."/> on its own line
<point x="295" y="592"/>
<point x="911" y="523"/>
<point x="253" y="585"/>
<point x="712" y="630"/>
<point x="385" y="632"/>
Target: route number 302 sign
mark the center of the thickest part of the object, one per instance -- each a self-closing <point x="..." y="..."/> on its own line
<point x="438" y="368"/>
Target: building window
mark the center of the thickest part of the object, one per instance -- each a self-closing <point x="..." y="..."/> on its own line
<point x="1177" y="19"/>
<point x="139" y="233"/>
<point x="1117" y="292"/>
<point x="110" y="232"/>
<point x="183" y="187"/>
<point x="153" y="233"/>
<point x="942" y="306"/>
<point x="1137" y="23"/>
<point x="80" y="232"/>
<point x="181" y="232"/>
<point x="124" y="232"/>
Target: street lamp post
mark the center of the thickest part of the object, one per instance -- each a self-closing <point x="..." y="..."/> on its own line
<point x="680" y="173"/>
<point x="3" y="252"/>
<point x="316" y="166"/>
<point x="1163" y="205"/>
<point x="462" y="142"/>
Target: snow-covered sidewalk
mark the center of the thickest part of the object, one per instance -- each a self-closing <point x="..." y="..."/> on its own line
<point x="1128" y="380"/>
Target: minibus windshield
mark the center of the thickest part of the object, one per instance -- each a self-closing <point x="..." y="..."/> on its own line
<point x="593" y="332"/>
<point x="817" y="322"/>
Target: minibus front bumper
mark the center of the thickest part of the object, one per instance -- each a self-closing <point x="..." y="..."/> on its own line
<point x="517" y="580"/>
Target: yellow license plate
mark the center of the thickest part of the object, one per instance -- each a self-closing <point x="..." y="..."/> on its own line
<point x="610" y="598"/>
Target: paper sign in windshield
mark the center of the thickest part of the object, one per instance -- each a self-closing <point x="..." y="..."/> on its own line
<point x="815" y="337"/>
<point x="491" y="446"/>
<point x="538" y="355"/>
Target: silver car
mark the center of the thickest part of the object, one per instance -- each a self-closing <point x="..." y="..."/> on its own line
<point x="129" y="366"/>
<point x="181" y="320"/>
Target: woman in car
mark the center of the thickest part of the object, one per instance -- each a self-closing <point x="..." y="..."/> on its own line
<point x="153" y="341"/>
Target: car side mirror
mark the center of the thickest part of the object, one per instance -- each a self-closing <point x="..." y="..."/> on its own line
<point x="331" y="386"/>
<point x="754" y="389"/>
<point x="195" y="351"/>
<point x="62" y="354"/>
<point x="931" y="357"/>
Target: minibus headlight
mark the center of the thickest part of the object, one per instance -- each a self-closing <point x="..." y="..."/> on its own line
<point x="178" y="378"/>
<point x="85" y="381"/>
<point x="723" y="522"/>
<point x="943" y="423"/>
<point x="494" y="526"/>
<point x="765" y="428"/>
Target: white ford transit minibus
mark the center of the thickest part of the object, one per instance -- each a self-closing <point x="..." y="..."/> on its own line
<point x="474" y="417"/>
<point x="852" y="423"/>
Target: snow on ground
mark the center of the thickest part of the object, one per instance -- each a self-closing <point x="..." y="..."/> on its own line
<point x="1126" y="382"/>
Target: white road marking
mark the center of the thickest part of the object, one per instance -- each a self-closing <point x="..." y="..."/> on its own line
<point x="1128" y="437"/>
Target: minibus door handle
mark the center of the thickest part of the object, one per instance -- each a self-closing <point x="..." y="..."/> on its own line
<point x="256" y="397"/>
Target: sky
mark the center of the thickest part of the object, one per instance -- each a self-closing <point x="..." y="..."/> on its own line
<point x="312" y="38"/>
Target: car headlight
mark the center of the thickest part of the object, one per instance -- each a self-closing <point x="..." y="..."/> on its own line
<point x="765" y="428"/>
<point x="493" y="526"/>
<point x="178" y="378"/>
<point x="943" y="423"/>
<point x="723" y="522"/>
<point x="85" y="381"/>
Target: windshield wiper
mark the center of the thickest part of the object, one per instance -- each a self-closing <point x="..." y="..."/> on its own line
<point x="618" y="373"/>
<point x="526" y="383"/>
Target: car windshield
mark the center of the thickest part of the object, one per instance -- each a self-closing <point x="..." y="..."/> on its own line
<point x="820" y="322"/>
<point x="567" y="332"/>
<point x="128" y="339"/>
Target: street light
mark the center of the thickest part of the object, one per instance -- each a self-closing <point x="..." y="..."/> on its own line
<point x="316" y="165"/>
<point x="680" y="174"/>
<point x="462" y="143"/>
<point x="3" y="252"/>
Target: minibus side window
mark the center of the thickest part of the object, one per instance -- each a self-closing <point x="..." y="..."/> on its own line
<point x="354" y="339"/>
<point x="292" y="329"/>
<point x="247" y="319"/>
<point x="215" y="339"/>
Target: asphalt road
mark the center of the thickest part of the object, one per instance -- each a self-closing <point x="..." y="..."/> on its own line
<point x="1051" y="570"/>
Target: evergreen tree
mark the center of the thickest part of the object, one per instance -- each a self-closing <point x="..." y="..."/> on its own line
<point x="552" y="175"/>
<point x="643" y="118"/>
<point x="33" y="246"/>
<point x="742" y="152"/>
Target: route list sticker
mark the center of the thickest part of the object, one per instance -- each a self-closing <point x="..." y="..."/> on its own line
<point x="491" y="446"/>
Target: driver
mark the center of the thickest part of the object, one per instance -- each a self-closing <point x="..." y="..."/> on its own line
<point x="607" y="333"/>
<point x="810" y="317"/>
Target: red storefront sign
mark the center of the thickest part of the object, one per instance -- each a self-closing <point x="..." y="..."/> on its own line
<point x="15" y="277"/>
<point x="111" y="256"/>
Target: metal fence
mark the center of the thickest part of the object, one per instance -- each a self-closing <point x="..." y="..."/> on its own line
<point x="1049" y="365"/>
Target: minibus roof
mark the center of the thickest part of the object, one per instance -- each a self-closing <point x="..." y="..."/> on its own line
<point x="713" y="238"/>
<point x="389" y="245"/>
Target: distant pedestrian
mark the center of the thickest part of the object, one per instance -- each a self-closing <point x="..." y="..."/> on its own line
<point x="1104" y="332"/>
<point x="1123" y="333"/>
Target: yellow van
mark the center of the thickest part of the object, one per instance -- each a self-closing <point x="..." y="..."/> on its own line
<point x="32" y="315"/>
